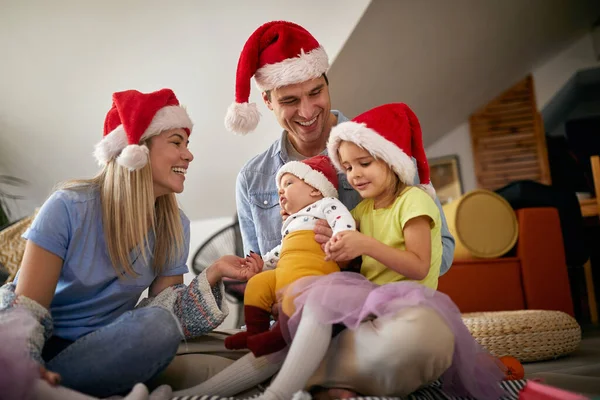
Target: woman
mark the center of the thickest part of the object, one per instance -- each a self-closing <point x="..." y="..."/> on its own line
<point x="97" y="244"/>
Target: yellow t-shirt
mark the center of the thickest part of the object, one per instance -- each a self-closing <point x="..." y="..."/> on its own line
<point x="386" y="224"/>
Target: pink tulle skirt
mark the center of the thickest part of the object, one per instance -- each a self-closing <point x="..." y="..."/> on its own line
<point x="348" y="298"/>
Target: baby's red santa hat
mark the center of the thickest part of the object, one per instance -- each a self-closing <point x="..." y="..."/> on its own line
<point x="317" y="171"/>
<point x="391" y="133"/>
<point x="277" y="54"/>
<point x="135" y="117"/>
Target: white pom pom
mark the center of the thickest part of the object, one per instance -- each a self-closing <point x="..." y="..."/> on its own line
<point x="242" y="118"/>
<point x="110" y="146"/>
<point x="133" y="157"/>
<point x="429" y="189"/>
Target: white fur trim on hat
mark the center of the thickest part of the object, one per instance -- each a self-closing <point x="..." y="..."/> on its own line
<point x="110" y="146"/>
<point x="313" y="177"/>
<point x="242" y="118"/>
<point x="170" y="117"/>
<point x="374" y="143"/>
<point x="133" y="157"/>
<point x="304" y="67"/>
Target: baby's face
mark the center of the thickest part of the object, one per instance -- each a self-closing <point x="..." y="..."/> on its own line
<point x="295" y="194"/>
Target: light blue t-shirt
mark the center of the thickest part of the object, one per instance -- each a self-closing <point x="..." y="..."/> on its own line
<point x="89" y="294"/>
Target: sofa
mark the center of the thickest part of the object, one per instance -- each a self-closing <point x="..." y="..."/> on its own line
<point x="533" y="275"/>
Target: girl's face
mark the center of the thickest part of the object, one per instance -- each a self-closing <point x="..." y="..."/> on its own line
<point x="370" y="177"/>
<point x="295" y="194"/>
<point x="169" y="158"/>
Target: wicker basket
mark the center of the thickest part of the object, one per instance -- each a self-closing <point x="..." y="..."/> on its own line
<point x="528" y="335"/>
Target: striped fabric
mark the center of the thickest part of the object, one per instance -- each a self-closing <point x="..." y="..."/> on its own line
<point x="432" y="392"/>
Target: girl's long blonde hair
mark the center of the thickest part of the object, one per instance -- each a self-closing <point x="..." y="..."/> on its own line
<point x="130" y="214"/>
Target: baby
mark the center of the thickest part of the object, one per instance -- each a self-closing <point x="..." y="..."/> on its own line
<point x="307" y="193"/>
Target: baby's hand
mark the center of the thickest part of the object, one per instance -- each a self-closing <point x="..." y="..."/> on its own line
<point x="51" y="377"/>
<point x="254" y="262"/>
<point x="345" y="246"/>
<point x="327" y="247"/>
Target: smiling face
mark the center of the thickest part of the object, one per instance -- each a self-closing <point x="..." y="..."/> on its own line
<point x="370" y="177"/>
<point x="295" y="194"/>
<point x="169" y="158"/>
<point x="304" y="111"/>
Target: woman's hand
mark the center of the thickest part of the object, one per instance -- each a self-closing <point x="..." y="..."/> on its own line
<point x="346" y="245"/>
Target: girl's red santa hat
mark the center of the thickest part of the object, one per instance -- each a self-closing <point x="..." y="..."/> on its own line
<point x="135" y="117"/>
<point x="391" y="133"/>
<point x="278" y="53"/>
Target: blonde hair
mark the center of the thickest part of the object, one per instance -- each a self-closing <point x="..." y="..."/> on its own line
<point x="130" y="214"/>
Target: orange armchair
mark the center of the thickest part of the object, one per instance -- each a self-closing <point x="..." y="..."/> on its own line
<point x="533" y="277"/>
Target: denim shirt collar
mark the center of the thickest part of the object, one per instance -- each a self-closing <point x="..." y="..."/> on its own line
<point x="280" y="149"/>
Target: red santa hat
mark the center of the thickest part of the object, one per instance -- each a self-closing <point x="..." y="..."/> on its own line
<point x="317" y="171"/>
<point x="135" y="117"/>
<point x="277" y="54"/>
<point x="391" y="133"/>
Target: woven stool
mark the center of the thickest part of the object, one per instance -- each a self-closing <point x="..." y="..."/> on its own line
<point x="527" y="335"/>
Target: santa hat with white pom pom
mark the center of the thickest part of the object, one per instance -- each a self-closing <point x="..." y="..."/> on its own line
<point x="278" y="53"/>
<point x="135" y="117"/>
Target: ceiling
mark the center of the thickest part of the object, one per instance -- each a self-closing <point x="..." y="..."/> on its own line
<point x="445" y="59"/>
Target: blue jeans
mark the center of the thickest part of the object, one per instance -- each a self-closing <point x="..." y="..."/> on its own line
<point x="134" y="348"/>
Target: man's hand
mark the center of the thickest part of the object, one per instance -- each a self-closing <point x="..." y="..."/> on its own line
<point x="284" y="214"/>
<point x="346" y="245"/>
<point x="51" y="377"/>
<point x="323" y="232"/>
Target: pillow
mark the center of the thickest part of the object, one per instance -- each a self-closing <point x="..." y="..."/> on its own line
<point x="483" y="224"/>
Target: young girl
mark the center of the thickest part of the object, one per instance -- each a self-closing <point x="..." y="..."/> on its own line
<point x="401" y="333"/>
<point x="97" y="244"/>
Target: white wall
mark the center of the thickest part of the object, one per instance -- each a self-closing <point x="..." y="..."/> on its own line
<point x="61" y="60"/>
<point x="457" y="142"/>
<point x="551" y="76"/>
<point x="548" y="78"/>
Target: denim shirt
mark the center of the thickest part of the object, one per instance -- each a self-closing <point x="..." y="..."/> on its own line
<point x="258" y="208"/>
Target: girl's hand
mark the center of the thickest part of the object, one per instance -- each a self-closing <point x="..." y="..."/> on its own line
<point x="51" y="377"/>
<point x="254" y="262"/>
<point x="346" y="245"/>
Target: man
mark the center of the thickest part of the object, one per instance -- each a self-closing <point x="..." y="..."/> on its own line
<point x="296" y="89"/>
<point x="382" y="356"/>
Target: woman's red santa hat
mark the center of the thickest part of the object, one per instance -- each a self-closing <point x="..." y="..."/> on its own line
<point x="391" y="133"/>
<point x="135" y="117"/>
<point x="278" y="53"/>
